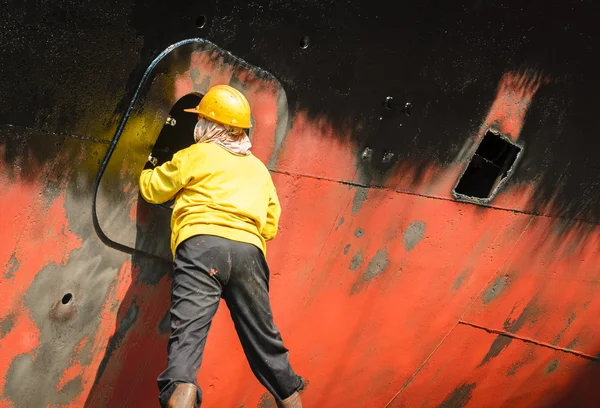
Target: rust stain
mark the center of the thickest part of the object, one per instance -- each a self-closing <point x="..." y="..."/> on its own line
<point x="460" y="397"/>
<point x="552" y="366"/>
<point x="515" y="367"/>
<point x="496" y="348"/>
<point x="573" y="343"/>
<point x="213" y="272"/>
<point x="570" y="320"/>
<point x="530" y="313"/>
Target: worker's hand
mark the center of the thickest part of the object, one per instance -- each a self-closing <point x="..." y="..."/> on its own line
<point x="150" y="163"/>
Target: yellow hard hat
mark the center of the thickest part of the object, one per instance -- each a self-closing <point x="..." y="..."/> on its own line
<point x="225" y="105"/>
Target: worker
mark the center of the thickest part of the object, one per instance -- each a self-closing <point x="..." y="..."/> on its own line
<point x="225" y="209"/>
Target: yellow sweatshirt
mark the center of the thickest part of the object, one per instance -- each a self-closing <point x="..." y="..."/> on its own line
<point x="217" y="193"/>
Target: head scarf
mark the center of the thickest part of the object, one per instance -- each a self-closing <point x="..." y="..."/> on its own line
<point x="229" y="138"/>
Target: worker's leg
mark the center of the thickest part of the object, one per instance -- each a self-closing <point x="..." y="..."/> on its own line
<point x="247" y="297"/>
<point x="195" y="296"/>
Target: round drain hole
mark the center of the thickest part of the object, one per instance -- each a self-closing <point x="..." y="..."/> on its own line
<point x="67" y="298"/>
<point x="304" y="42"/>
<point x="201" y="21"/>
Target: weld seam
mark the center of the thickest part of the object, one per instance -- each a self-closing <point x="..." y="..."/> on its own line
<point x="529" y="340"/>
<point x="357" y="184"/>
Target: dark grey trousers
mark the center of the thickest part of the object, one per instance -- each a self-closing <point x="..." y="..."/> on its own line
<point x="207" y="268"/>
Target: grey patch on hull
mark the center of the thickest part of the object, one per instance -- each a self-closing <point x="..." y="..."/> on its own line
<point x="459" y="280"/>
<point x="376" y="267"/>
<point x="340" y="222"/>
<point x="87" y="275"/>
<point x="6" y="325"/>
<point x="356" y="261"/>
<point x="460" y="397"/>
<point x="72" y="389"/>
<point x="284" y="124"/>
<point x="12" y="266"/>
<point x="86" y="355"/>
<point x="359" y="233"/>
<point x="495" y="289"/>
<point x="347" y="248"/>
<point x="413" y="235"/>
<point x="552" y="366"/>
<point x="360" y="196"/>
<point x="559" y="335"/>
<point x="31" y="396"/>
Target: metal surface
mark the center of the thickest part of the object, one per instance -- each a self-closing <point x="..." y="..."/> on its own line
<point x="387" y="290"/>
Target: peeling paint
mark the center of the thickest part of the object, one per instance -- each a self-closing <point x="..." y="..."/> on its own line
<point x="71" y="389"/>
<point x="340" y="222"/>
<point x="12" y="266"/>
<point x="6" y="325"/>
<point x="86" y="356"/>
<point x="356" y="261"/>
<point x="359" y="232"/>
<point x="347" y="248"/>
<point x="413" y="235"/>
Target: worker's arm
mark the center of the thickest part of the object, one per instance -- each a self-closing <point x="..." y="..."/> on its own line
<point x="273" y="213"/>
<point x="162" y="183"/>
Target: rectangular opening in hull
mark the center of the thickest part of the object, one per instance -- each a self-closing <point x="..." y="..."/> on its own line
<point x="489" y="167"/>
